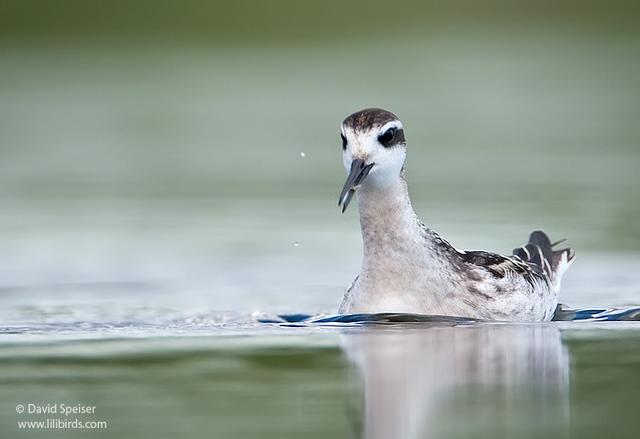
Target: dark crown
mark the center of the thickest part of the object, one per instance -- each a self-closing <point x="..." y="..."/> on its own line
<point x="367" y="118"/>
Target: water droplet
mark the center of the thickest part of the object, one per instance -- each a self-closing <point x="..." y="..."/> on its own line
<point x="296" y="244"/>
<point x="303" y="155"/>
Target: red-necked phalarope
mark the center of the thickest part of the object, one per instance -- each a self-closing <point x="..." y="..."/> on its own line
<point x="407" y="267"/>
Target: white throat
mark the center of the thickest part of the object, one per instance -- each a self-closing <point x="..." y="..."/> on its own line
<point x="387" y="220"/>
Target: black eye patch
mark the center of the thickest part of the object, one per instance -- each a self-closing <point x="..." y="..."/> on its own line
<point x="391" y="137"/>
<point x="344" y="141"/>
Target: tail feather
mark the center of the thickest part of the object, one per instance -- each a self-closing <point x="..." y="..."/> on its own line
<point x="539" y="253"/>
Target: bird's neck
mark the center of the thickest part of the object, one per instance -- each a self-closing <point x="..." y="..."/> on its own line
<point x="387" y="220"/>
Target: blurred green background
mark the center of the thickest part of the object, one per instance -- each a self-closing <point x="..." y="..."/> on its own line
<point x="152" y="187"/>
<point x="514" y="110"/>
<point x="155" y="141"/>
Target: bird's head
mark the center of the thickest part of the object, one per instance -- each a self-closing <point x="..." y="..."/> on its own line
<point x="373" y="151"/>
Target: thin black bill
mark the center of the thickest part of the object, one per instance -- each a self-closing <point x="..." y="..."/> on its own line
<point x="357" y="174"/>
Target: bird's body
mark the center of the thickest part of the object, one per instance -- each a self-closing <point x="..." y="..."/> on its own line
<point x="409" y="268"/>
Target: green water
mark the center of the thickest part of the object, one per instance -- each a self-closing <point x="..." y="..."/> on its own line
<point x="154" y="202"/>
<point x="578" y="384"/>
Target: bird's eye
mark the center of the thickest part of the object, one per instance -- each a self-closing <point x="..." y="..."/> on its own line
<point x="386" y="138"/>
<point x="344" y="141"/>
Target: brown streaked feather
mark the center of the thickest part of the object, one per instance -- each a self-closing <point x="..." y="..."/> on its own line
<point x="539" y="254"/>
<point x="368" y="118"/>
<point x="496" y="264"/>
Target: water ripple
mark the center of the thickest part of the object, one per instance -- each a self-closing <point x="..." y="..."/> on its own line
<point x="563" y="313"/>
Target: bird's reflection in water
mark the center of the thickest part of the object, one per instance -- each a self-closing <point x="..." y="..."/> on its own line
<point x="469" y="381"/>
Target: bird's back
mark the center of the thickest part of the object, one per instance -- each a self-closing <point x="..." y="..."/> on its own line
<point x="476" y="284"/>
